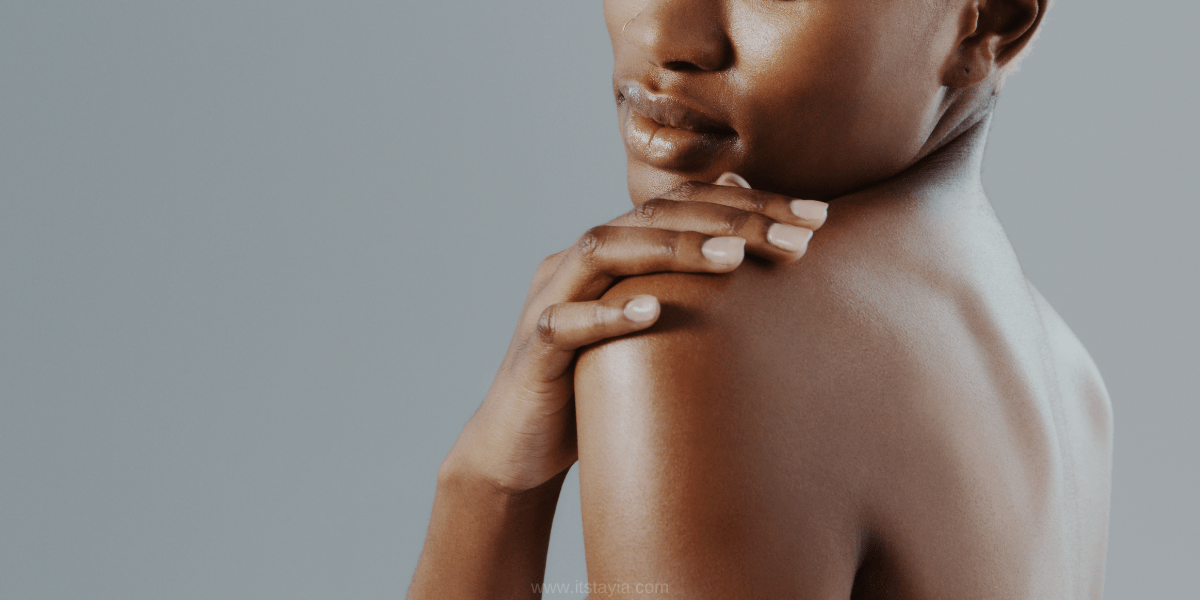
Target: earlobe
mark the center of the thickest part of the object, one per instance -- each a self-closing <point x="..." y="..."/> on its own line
<point x="993" y="34"/>
<point x="967" y="69"/>
<point x="966" y="66"/>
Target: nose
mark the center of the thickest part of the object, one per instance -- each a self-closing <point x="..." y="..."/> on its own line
<point x="681" y="35"/>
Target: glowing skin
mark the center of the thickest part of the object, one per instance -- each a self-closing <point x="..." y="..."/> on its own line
<point x="885" y="408"/>
<point x="811" y="99"/>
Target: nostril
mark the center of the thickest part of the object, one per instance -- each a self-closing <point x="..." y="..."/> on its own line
<point x="681" y="66"/>
<point x="681" y="36"/>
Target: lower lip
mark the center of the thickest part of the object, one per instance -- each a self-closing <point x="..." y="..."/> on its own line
<point x="670" y="148"/>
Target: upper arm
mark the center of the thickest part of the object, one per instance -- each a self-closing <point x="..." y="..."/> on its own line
<point x="704" y="464"/>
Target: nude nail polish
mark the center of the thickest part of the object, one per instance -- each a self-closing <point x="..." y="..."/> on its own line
<point x="788" y="237"/>
<point x="725" y="250"/>
<point x="733" y="180"/>
<point x="641" y="309"/>
<point x="810" y="210"/>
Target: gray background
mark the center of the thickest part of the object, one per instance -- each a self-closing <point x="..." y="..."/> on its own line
<point x="260" y="260"/>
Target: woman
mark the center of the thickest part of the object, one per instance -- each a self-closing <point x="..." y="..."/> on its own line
<point x="899" y="414"/>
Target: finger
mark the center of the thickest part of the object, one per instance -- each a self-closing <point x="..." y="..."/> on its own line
<point x="806" y="213"/>
<point x="765" y="237"/>
<point x="571" y="325"/>
<point x="563" y="328"/>
<point x="732" y="180"/>
<point x="605" y="253"/>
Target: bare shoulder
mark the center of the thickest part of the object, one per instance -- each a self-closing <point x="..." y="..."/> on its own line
<point x="721" y="450"/>
<point x="888" y="411"/>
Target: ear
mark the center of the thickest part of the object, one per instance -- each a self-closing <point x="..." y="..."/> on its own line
<point x="991" y="35"/>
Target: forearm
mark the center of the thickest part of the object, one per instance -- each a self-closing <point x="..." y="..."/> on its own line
<point x="484" y="542"/>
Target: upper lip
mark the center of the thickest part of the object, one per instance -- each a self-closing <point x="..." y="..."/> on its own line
<point x="670" y="111"/>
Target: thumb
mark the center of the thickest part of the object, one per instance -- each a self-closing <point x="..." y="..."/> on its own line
<point x="733" y="180"/>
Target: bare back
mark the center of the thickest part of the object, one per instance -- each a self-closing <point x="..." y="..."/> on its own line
<point x="899" y="415"/>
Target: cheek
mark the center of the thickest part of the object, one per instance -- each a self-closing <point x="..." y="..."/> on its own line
<point x="826" y="108"/>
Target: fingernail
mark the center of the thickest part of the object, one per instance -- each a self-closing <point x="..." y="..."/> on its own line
<point x="641" y="309"/>
<point x="725" y="250"/>
<point x="733" y="180"/>
<point x="810" y="210"/>
<point x="788" y="237"/>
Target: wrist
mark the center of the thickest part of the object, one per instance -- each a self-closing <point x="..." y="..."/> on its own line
<point x="486" y="453"/>
<point x="459" y="472"/>
<point x="463" y="477"/>
<point x="483" y="540"/>
<point x="475" y="495"/>
<point x="467" y="470"/>
<point x="464" y="467"/>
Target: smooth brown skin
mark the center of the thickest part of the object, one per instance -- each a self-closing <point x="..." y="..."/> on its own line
<point x="897" y="415"/>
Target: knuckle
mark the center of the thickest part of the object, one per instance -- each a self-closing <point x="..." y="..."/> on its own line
<point x="647" y="211"/>
<point x="598" y="317"/>
<point x="590" y="242"/>
<point x="759" y="204"/>
<point x="673" y="245"/>
<point x="735" y="221"/>
<point x="547" y="325"/>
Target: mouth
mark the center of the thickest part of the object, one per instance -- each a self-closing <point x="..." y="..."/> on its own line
<point x="666" y="132"/>
<point x="669" y="111"/>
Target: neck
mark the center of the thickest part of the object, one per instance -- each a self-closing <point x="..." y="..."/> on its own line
<point x="956" y="164"/>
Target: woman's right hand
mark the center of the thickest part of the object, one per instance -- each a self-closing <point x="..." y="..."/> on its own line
<point x="524" y="432"/>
